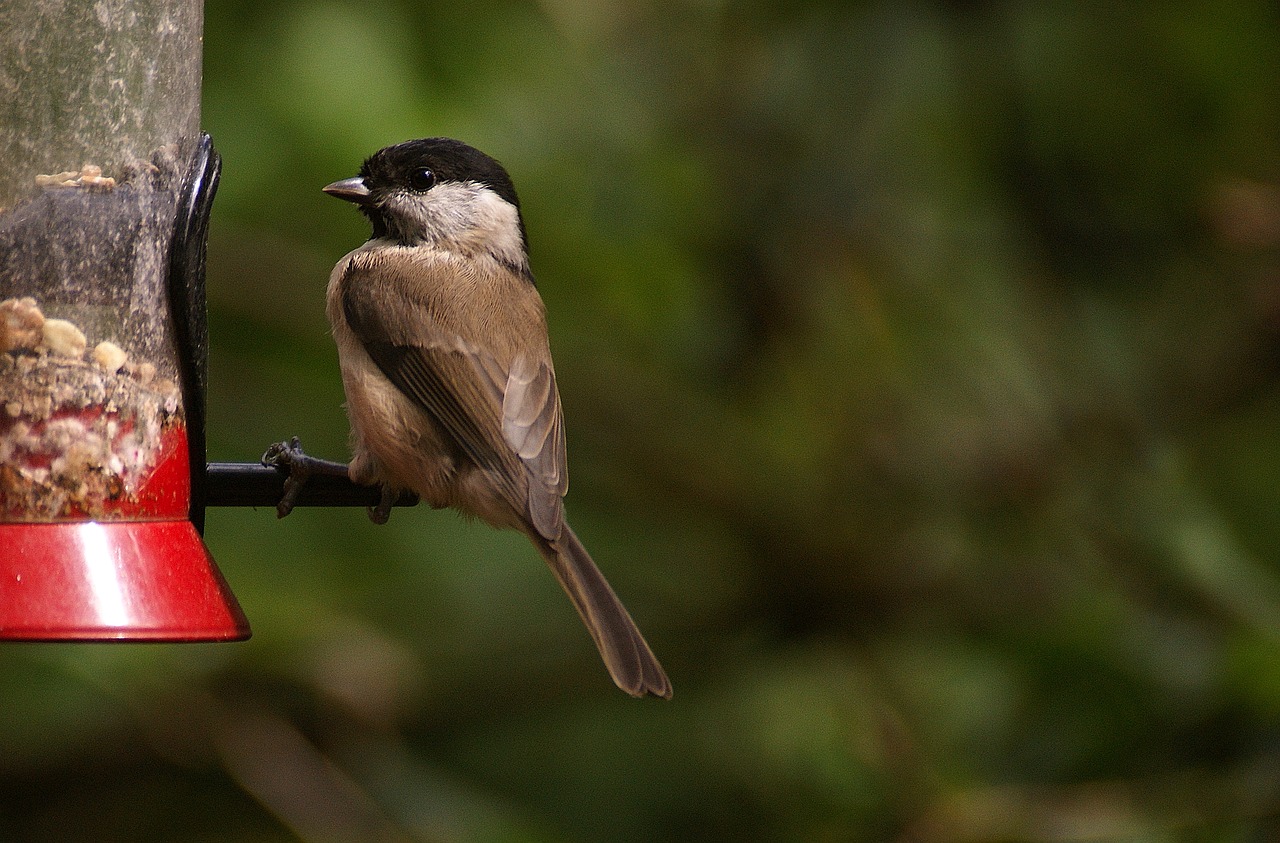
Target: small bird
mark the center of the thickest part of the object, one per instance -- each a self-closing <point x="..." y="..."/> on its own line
<point x="451" y="393"/>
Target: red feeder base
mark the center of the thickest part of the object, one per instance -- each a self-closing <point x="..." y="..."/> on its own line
<point x="113" y="581"/>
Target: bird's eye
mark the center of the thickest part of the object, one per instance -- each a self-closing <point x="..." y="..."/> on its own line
<point x="422" y="179"/>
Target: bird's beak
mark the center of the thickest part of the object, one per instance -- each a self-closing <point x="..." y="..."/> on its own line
<point x="350" y="190"/>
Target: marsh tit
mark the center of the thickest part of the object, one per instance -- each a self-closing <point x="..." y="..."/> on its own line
<point x="442" y="342"/>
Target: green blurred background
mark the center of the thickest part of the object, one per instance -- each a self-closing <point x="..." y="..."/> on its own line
<point x="921" y="363"/>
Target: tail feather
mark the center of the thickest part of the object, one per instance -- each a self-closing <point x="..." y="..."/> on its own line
<point x="626" y="654"/>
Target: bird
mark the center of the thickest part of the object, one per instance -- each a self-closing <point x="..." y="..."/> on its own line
<point x="446" y="367"/>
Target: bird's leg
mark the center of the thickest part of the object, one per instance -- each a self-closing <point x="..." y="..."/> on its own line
<point x="289" y="456"/>
<point x="380" y="513"/>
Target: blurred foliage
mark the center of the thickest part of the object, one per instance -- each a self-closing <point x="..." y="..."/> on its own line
<point x="922" y="369"/>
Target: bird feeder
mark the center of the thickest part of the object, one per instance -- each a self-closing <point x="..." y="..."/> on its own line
<point x="105" y="191"/>
<point x="105" y="184"/>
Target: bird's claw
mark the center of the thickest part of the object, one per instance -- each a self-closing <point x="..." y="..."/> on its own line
<point x="289" y="456"/>
<point x="380" y="513"/>
<point x="298" y="468"/>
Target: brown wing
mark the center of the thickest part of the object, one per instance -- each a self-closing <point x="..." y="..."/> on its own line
<point x="503" y="414"/>
<point x="533" y="425"/>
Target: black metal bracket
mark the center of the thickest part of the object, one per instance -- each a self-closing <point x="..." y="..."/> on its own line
<point x="188" y="306"/>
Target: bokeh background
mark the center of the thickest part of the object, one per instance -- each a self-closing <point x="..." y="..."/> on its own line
<point x="921" y="363"/>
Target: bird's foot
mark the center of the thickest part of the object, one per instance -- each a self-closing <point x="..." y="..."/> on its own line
<point x="289" y="457"/>
<point x="380" y="513"/>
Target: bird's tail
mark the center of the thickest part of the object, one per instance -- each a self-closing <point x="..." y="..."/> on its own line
<point x="626" y="654"/>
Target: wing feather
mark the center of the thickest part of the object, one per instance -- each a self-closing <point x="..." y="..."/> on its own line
<point x="504" y="415"/>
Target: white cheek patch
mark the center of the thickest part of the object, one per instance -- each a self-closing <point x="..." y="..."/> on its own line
<point x="467" y="217"/>
<point x="500" y="223"/>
